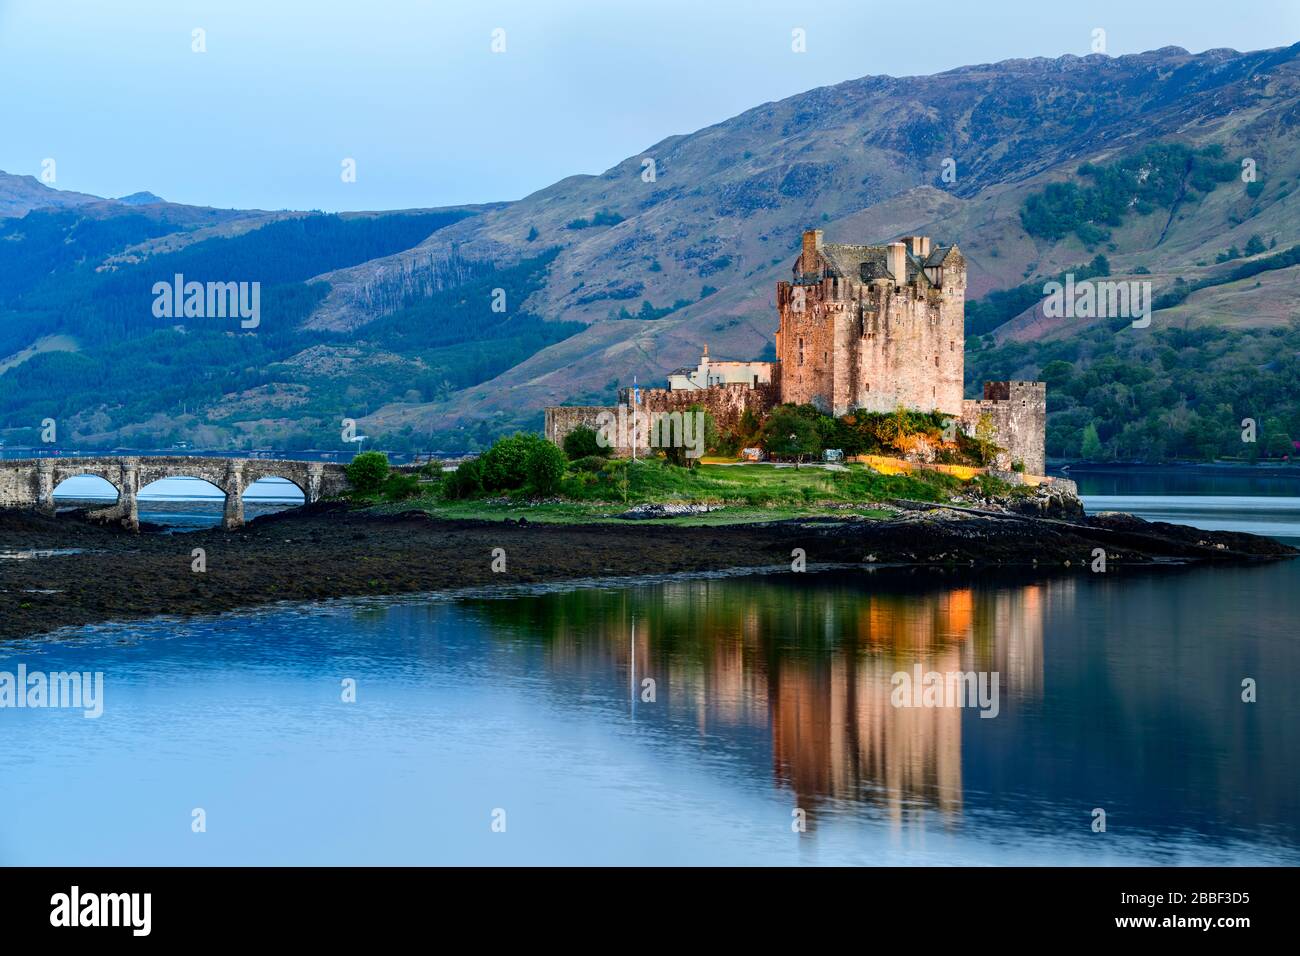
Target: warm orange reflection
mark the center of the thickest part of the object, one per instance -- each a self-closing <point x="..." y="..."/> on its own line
<point x="812" y="665"/>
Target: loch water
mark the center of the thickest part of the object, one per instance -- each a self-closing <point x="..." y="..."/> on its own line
<point x="743" y="719"/>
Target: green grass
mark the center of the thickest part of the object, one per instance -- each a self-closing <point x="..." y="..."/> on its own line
<point x="746" y="493"/>
<point x="579" y="513"/>
<point x="756" y="486"/>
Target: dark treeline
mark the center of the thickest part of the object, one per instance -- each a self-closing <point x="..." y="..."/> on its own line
<point x="1177" y="393"/>
<point x="1157" y="177"/>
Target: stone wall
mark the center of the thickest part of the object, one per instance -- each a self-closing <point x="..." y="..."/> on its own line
<point x="726" y="403"/>
<point x="562" y="419"/>
<point x="1018" y="411"/>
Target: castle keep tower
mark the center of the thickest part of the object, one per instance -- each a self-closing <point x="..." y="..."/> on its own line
<point x="873" y="327"/>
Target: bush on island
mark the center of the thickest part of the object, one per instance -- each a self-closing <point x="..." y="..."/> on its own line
<point x="465" y="482"/>
<point x="545" y="465"/>
<point x="505" y="464"/>
<point x="367" y="471"/>
<point x="399" y="486"/>
<point x="583" y="442"/>
<point x="592" y="463"/>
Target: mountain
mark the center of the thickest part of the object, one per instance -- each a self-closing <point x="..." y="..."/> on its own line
<point x="140" y="199"/>
<point x="1127" y="165"/>
<point x="864" y="161"/>
<point x="19" y="195"/>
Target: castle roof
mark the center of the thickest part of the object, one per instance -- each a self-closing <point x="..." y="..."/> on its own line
<point x="868" y="263"/>
<point x="939" y="255"/>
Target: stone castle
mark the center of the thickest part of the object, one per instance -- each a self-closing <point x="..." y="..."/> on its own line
<point x="861" y="327"/>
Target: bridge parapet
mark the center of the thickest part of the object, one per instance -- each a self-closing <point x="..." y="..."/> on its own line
<point x="30" y="483"/>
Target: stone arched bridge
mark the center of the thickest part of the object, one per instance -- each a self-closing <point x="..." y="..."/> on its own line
<point x="30" y="483"/>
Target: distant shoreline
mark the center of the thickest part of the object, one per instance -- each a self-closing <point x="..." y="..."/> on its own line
<point x="1236" y="469"/>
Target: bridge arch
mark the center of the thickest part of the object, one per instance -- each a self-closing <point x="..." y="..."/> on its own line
<point x="271" y="493"/>
<point x="171" y="499"/>
<point x="269" y="486"/>
<point x="86" y="488"/>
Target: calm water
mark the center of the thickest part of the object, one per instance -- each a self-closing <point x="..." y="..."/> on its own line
<point x="1268" y="505"/>
<point x="1118" y="691"/>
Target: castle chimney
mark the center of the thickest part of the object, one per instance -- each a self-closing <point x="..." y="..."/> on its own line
<point x="812" y="245"/>
<point x="896" y="261"/>
<point x="920" y="246"/>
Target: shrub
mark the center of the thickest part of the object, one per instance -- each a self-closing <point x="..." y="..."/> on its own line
<point x="505" y="463"/>
<point x="583" y="442"/>
<point x="400" y="485"/>
<point x="367" y="471"/>
<point x="592" y="463"/>
<point x="465" y="482"/>
<point x="545" y="468"/>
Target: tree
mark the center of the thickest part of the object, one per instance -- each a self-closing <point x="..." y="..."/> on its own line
<point x="1091" y="447"/>
<point x="466" y="481"/>
<point x="986" y="433"/>
<point x="545" y="468"/>
<point x="505" y="463"/>
<point x="676" y="451"/>
<point x="895" y="429"/>
<point x="1057" y="373"/>
<point x="749" y="426"/>
<point x="584" y="442"/>
<point x="400" y="485"/>
<point x="787" y="434"/>
<point x="367" y="471"/>
<point x="1277" y="442"/>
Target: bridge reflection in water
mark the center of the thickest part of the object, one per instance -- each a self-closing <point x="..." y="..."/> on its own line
<point x="810" y="671"/>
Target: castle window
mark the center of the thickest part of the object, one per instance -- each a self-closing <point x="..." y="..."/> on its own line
<point x="801" y="350"/>
<point x="936" y="361"/>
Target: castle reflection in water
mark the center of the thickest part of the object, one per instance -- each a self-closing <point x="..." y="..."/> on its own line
<point x="804" y="672"/>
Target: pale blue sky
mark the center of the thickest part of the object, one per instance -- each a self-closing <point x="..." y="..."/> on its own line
<point x="413" y="92"/>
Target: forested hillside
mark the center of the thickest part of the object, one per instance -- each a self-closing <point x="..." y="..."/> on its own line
<point x="172" y="379"/>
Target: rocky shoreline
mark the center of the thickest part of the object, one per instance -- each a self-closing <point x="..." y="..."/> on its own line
<point x="328" y="551"/>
